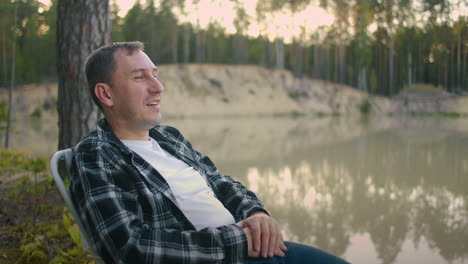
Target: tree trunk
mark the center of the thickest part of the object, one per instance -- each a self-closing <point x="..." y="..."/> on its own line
<point x="410" y="68"/>
<point x="187" y="43"/>
<point x="4" y="58"/>
<point x="198" y="46"/>
<point x="362" y="80"/>
<point x="458" y="80"/>
<point x="279" y="47"/>
<point x="264" y="49"/>
<point x="175" y="43"/>
<point x="82" y="26"/>
<point x="336" y="73"/>
<point x="10" y="91"/>
<point x="390" y="65"/>
<point x="326" y="66"/>
<point x="299" y="59"/>
<point x="464" y="79"/>
<point x="209" y="47"/>
<point x="316" y="66"/>
<point x="342" y="64"/>
<point x="240" y="47"/>
<point x="271" y="54"/>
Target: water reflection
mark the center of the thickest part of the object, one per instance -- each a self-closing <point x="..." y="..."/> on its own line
<point x="34" y="136"/>
<point x="399" y="188"/>
<point x="383" y="191"/>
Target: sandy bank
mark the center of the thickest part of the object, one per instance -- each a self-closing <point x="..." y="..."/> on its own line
<point x="230" y="90"/>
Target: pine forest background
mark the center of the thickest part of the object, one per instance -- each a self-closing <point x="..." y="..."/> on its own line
<point x="379" y="46"/>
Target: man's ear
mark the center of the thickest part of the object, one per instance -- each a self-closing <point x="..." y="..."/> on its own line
<point x="104" y="94"/>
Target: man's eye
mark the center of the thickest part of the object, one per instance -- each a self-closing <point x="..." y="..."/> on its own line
<point x="139" y="77"/>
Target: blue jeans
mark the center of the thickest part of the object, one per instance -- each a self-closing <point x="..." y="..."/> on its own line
<point x="299" y="253"/>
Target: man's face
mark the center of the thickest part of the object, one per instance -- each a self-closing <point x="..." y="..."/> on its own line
<point x="136" y="91"/>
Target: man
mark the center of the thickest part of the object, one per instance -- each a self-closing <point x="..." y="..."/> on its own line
<point x="146" y="196"/>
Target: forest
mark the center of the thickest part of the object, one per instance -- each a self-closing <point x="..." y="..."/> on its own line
<point x="376" y="46"/>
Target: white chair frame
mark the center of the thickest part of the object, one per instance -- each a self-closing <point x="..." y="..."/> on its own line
<point x="67" y="156"/>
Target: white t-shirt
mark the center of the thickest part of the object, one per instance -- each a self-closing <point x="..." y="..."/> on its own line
<point x="196" y="200"/>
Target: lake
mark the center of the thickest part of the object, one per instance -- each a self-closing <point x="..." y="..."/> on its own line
<point x="383" y="190"/>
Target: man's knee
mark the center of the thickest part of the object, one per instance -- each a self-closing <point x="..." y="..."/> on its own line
<point x="301" y="253"/>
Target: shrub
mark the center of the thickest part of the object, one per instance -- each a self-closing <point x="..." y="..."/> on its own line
<point x="365" y="107"/>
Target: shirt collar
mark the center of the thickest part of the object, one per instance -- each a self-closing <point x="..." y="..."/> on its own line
<point x="105" y="133"/>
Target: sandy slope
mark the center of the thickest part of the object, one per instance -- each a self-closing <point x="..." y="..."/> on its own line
<point x="223" y="90"/>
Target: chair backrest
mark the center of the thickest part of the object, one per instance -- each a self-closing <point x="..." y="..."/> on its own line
<point x="67" y="156"/>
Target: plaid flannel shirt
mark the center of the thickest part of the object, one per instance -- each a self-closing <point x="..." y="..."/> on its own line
<point x="132" y="214"/>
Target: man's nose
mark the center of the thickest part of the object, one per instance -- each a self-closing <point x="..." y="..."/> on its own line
<point x="156" y="85"/>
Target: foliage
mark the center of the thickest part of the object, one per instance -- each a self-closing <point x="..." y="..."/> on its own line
<point x="37" y="113"/>
<point x="35" y="39"/>
<point x="34" y="225"/>
<point x="3" y="114"/>
<point x="365" y="107"/>
<point x="13" y="161"/>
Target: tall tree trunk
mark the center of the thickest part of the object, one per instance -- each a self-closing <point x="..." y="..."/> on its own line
<point x="271" y="54"/>
<point x="306" y="68"/>
<point x="459" y="81"/>
<point x="410" y="67"/>
<point x="209" y="47"/>
<point x="316" y="67"/>
<point x="10" y="91"/>
<point x="264" y="50"/>
<point x="82" y="26"/>
<point x="279" y="47"/>
<point x="343" y="64"/>
<point x="240" y="49"/>
<point x="175" y="43"/>
<point x="198" y="46"/>
<point x="4" y="58"/>
<point x="464" y="79"/>
<point x="299" y="59"/>
<point x="243" y="49"/>
<point x="390" y="65"/>
<point x="336" y="77"/>
<point x="362" y="80"/>
<point x="326" y="66"/>
<point x="187" y="43"/>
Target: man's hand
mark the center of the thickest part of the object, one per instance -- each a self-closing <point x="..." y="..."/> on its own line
<point x="251" y="252"/>
<point x="264" y="234"/>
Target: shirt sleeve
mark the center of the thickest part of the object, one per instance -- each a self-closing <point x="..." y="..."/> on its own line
<point x="114" y="217"/>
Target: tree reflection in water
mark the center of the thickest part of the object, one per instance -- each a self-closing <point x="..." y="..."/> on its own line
<point x="384" y="184"/>
<point x="398" y="187"/>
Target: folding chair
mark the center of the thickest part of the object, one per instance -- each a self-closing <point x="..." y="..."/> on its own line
<point x="67" y="156"/>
